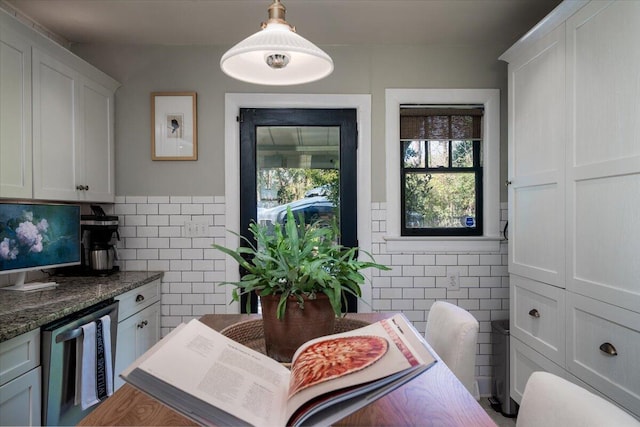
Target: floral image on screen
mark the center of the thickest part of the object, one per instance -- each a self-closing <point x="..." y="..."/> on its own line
<point x="38" y="235"/>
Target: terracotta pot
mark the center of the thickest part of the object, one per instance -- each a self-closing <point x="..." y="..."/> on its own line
<point x="284" y="336"/>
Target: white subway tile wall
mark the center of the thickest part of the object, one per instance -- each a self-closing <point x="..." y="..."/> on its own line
<point x="153" y="238"/>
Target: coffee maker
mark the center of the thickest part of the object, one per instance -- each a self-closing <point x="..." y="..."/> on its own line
<point x="99" y="232"/>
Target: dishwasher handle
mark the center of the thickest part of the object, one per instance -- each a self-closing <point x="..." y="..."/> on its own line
<point x="77" y="332"/>
<point x="69" y="335"/>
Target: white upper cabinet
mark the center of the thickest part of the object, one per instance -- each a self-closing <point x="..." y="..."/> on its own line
<point x="55" y="134"/>
<point x="98" y="152"/>
<point x="603" y="155"/>
<point x="57" y="119"/>
<point x="72" y="134"/>
<point x="15" y="115"/>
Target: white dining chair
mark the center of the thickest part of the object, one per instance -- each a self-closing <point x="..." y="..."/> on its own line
<point x="551" y="401"/>
<point x="453" y="333"/>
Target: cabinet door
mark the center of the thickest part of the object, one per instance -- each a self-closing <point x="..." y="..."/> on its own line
<point x="147" y="329"/>
<point x="20" y="400"/>
<point x="603" y="166"/>
<point x="97" y="160"/>
<point x="15" y="116"/>
<point x="136" y="335"/>
<point x="536" y="160"/>
<point x="55" y="133"/>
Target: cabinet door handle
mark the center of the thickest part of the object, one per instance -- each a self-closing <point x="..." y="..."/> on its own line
<point x="609" y="349"/>
<point x="140" y="298"/>
<point x="80" y="187"/>
<point x="143" y="324"/>
<point x="534" y="313"/>
<point x="86" y="187"/>
<point x="507" y="183"/>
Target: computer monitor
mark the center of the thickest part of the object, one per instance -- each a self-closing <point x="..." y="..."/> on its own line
<point x="35" y="236"/>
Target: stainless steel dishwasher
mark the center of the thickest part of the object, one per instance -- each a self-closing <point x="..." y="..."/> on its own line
<point x="59" y="362"/>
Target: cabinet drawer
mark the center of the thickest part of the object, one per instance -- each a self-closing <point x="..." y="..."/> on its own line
<point x="19" y="355"/>
<point x="592" y="326"/>
<point x="137" y="299"/>
<point x="524" y="362"/>
<point x="538" y="317"/>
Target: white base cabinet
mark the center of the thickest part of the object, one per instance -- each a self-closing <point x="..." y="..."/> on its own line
<point x="20" y="381"/>
<point x="574" y="198"/>
<point x="138" y="326"/>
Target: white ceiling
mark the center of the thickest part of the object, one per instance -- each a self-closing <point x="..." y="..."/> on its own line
<point x="324" y="22"/>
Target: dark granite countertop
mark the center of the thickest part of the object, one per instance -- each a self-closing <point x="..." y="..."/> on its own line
<point x="21" y="312"/>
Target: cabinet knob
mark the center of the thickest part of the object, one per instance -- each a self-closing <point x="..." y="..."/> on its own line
<point x="609" y="349"/>
<point x="143" y="324"/>
<point x="80" y="187"/>
<point x="534" y="313"/>
<point x="86" y="187"/>
<point x="139" y="298"/>
<point x="507" y="183"/>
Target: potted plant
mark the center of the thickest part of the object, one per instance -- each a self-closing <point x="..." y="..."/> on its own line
<point x="302" y="277"/>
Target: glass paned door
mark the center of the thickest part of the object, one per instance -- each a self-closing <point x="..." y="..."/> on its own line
<point x="299" y="158"/>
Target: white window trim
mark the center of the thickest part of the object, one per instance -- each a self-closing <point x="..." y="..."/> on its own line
<point x="490" y="240"/>
<point x="233" y="103"/>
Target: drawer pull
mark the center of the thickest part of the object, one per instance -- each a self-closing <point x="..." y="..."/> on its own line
<point x="143" y="324"/>
<point x="609" y="349"/>
<point x="534" y="313"/>
<point x="140" y="298"/>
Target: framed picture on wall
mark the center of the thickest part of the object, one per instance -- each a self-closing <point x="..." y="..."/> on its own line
<point x="174" y="119"/>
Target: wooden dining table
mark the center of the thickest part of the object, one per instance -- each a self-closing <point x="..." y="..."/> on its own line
<point x="434" y="398"/>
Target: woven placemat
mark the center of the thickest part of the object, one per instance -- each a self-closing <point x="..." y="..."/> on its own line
<point x="251" y="334"/>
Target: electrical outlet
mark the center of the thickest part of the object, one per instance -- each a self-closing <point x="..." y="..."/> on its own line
<point x="453" y="281"/>
<point x="195" y="229"/>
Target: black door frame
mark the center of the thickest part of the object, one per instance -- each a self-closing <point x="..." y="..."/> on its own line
<point x="346" y="119"/>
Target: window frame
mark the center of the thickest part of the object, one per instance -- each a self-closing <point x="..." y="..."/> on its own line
<point x="475" y="169"/>
<point x="489" y="241"/>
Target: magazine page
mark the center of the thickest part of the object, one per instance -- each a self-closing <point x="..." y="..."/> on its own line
<point x="351" y="358"/>
<point x="222" y="373"/>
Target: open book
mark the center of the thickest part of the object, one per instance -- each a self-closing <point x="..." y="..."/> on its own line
<point x="216" y="381"/>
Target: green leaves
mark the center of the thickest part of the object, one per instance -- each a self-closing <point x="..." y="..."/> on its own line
<point x="297" y="259"/>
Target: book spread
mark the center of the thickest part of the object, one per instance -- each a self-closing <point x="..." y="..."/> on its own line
<point x="216" y="381"/>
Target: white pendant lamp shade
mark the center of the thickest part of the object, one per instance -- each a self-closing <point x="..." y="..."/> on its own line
<point x="276" y="55"/>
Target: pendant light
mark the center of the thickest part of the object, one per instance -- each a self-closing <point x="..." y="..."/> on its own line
<point x="276" y="55"/>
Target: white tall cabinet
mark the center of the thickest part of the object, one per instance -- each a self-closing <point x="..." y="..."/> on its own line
<point x="57" y="129"/>
<point x="574" y="199"/>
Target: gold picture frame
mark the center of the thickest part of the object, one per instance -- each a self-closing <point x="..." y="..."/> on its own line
<point x="174" y="132"/>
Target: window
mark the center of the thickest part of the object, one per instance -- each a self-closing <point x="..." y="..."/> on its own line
<point x="486" y="238"/>
<point x="440" y="170"/>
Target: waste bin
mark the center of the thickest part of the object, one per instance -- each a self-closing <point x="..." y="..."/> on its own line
<point x="501" y="399"/>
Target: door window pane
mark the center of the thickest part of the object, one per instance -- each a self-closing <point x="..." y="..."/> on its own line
<point x="297" y="167"/>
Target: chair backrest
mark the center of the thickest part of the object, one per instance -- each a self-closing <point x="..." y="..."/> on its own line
<point x="453" y="333"/>
<point x="552" y="401"/>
